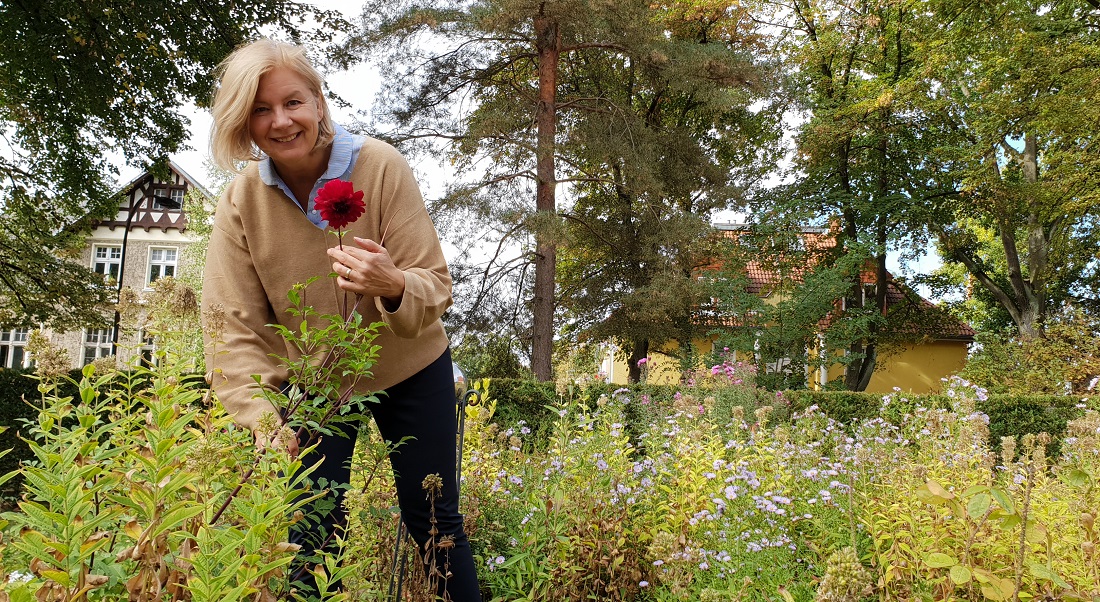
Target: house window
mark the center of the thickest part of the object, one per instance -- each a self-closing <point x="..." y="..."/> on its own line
<point x="148" y="350"/>
<point x="97" y="344"/>
<point x="106" y="260"/>
<point x="13" y="345"/>
<point x="174" y="195"/>
<point x="162" y="262"/>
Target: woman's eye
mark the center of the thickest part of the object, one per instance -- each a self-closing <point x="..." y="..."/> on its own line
<point x="259" y="110"/>
<point x="294" y="103"/>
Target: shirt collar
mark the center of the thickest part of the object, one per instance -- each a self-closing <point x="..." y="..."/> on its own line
<point x="344" y="145"/>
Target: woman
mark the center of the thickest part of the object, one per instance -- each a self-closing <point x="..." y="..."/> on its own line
<point x="268" y="235"/>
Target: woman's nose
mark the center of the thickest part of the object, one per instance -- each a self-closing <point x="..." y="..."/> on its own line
<point x="280" y="117"/>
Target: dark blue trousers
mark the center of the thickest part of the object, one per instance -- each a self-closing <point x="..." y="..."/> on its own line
<point x="421" y="408"/>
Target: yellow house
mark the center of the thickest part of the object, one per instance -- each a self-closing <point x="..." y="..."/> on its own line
<point x="929" y="351"/>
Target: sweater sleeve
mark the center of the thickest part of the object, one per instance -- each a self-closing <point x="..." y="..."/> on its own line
<point x="236" y="314"/>
<point x="409" y="236"/>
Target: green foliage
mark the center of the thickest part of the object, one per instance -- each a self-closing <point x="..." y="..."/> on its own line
<point x="102" y="75"/>
<point x="1065" y="360"/>
<point x="750" y="508"/>
<point x="489" y="355"/>
<point x="804" y="285"/>
<point x="653" y="132"/>
<point x="1009" y="415"/>
<point x="120" y="490"/>
<point x="139" y="486"/>
<point x="861" y="166"/>
<point x="527" y="400"/>
<point x="19" y="403"/>
<point x="712" y="490"/>
<point x="1023" y="223"/>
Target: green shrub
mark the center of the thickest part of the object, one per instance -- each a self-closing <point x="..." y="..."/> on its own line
<point x="1016" y="416"/>
<point x="1009" y="415"/>
<point x="527" y="400"/>
<point x="18" y="403"/>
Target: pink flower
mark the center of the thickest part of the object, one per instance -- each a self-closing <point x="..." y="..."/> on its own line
<point x="339" y="203"/>
<point x="643" y="361"/>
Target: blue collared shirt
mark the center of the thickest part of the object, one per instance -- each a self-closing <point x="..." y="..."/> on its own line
<point x="345" y="152"/>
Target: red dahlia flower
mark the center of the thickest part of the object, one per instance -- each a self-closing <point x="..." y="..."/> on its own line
<point x="339" y="203"/>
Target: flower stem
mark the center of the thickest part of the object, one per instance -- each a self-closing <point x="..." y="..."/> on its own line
<point x="290" y="410"/>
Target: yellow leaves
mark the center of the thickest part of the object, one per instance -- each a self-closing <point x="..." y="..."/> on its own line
<point x="939" y="560"/>
<point x="993" y="587"/>
<point x="133" y="530"/>
<point x="885" y="100"/>
<point x="934" y="493"/>
<point x="960" y="575"/>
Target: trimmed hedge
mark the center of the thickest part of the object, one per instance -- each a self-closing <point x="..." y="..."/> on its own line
<point x="533" y="402"/>
<point x="18" y="393"/>
<point x="18" y="404"/>
<point x="1008" y="415"/>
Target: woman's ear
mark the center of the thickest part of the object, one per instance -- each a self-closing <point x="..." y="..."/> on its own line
<point x="322" y="106"/>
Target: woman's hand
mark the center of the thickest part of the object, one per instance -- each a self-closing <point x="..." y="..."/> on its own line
<point x="368" y="271"/>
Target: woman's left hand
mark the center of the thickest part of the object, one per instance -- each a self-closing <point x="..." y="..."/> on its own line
<point x="367" y="270"/>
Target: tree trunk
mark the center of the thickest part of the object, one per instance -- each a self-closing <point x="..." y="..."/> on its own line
<point x="867" y="366"/>
<point x="639" y="350"/>
<point x="548" y="44"/>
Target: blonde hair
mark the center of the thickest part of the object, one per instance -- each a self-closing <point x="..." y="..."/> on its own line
<point x="238" y="79"/>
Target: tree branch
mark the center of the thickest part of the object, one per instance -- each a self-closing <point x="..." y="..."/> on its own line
<point x="567" y="49"/>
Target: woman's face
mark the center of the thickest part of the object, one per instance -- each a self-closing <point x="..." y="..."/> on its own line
<point x="285" y="119"/>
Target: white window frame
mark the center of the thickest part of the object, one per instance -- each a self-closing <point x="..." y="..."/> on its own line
<point x="10" y="341"/>
<point x="96" y="344"/>
<point x="148" y="349"/>
<point x="160" y="265"/>
<point x="176" y="193"/>
<point x="110" y="258"/>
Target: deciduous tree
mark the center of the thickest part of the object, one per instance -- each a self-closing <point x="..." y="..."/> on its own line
<point x="862" y="159"/>
<point x="84" y="85"/>
<point x="1017" y="80"/>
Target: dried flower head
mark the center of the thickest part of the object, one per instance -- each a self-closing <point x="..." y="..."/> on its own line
<point x="433" y="484"/>
<point x="50" y="361"/>
<point x="214" y="320"/>
<point x="339" y="203"/>
<point x="184" y="300"/>
<point x="129" y="305"/>
<point x="845" y="580"/>
<point x="105" y="365"/>
<point x="762" y="414"/>
<point x="1008" y="450"/>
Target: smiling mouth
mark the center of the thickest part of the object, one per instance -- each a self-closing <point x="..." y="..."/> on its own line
<point x="287" y="139"/>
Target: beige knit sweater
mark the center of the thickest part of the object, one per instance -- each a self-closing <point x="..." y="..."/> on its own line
<point x="262" y="244"/>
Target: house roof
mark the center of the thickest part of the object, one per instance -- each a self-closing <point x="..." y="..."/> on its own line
<point x="913" y="314"/>
<point x="145" y="215"/>
<point x="127" y="187"/>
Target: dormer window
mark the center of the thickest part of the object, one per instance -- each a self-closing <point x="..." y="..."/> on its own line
<point x="168" y="199"/>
